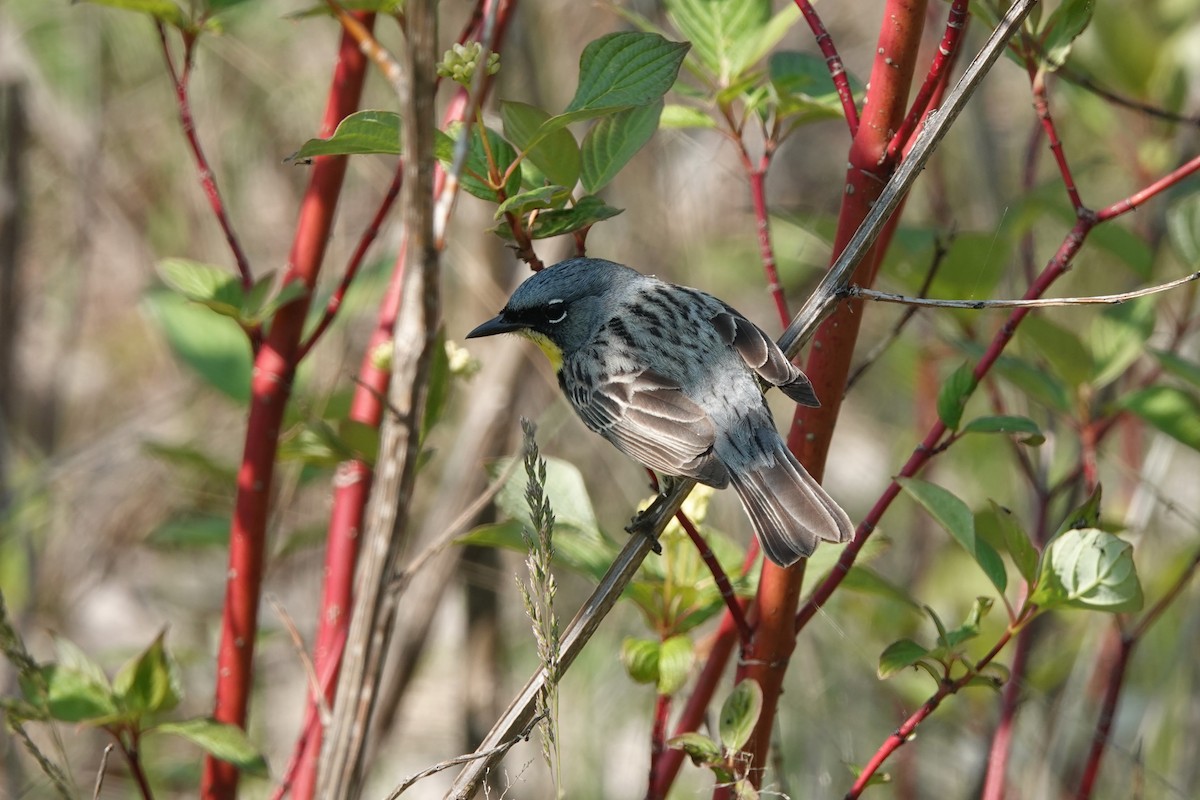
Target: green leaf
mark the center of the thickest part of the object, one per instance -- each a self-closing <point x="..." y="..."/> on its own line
<point x="587" y="211"/>
<point x="1179" y="367"/>
<point x="554" y="152"/>
<point x="225" y="742"/>
<point x="1126" y="246"/>
<point x="1171" y="410"/>
<point x="590" y="555"/>
<point x="1066" y="353"/>
<point x="1016" y="540"/>
<point x="476" y="169"/>
<point x="199" y="530"/>
<point x="613" y="141"/>
<point x="162" y="10"/>
<point x="1025" y="429"/>
<point x="803" y="85"/>
<point x="1038" y="383"/>
<point x="675" y="660"/>
<point x="677" y="116"/>
<point x="622" y="70"/>
<point x="360" y="133"/>
<point x="868" y="581"/>
<point x="755" y="45"/>
<point x="213" y="346"/>
<point x="1088" y="568"/>
<point x="701" y="749"/>
<point x="523" y="202"/>
<point x="1183" y="229"/>
<point x="739" y="714"/>
<point x="724" y="33"/>
<point x="954" y="515"/>
<point x="149" y="683"/>
<point x="954" y="394"/>
<point x="640" y="658"/>
<point x="1062" y="28"/>
<point x="564" y="486"/>
<point x="71" y="656"/>
<point x="75" y="694"/>
<point x="1087" y="515"/>
<point x="1118" y="338"/>
<point x="899" y="655"/>
<point x="208" y="285"/>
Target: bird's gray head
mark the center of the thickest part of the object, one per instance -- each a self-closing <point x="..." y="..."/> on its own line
<point x="563" y="305"/>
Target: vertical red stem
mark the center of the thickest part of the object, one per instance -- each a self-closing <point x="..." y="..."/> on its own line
<point x="274" y="369"/>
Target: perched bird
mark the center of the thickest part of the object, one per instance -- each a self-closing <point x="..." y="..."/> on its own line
<point x="670" y="375"/>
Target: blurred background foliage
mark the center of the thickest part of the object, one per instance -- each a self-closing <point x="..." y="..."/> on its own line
<point x="121" y="428"/>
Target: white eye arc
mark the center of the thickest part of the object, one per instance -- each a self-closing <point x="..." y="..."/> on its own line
<point x="560" y="317"/>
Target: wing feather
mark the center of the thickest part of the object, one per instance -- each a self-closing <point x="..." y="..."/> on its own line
<point x="762" y="355"/>
<point x="649" y="418"/>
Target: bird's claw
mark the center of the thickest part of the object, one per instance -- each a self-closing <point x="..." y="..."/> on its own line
<point x="643" y="524"/>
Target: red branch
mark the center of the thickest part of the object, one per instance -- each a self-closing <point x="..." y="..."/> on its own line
<point x="722" y="580"/>
<point x="762" y="220"/>
<point x="956" y="24"/>
<point x="274" y="369"/>
<point x="909" y="727"/>
<point x="180" y="79"/>
<point x="1116" y="678"/>
<point x="1037" y="81"/>
<point x="837" y="70"/>
<point x="352" y="266"/>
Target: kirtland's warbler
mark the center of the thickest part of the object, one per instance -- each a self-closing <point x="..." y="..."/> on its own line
<point x="670" y="375"/>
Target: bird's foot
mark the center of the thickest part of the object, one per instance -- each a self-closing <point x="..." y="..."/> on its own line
<point x="643" y="522"/>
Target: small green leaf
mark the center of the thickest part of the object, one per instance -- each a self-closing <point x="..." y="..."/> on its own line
<point x="701" y="749"/>
<point x="954" y="394"/>
<point x="76" y="695"/>
<point x="868" y="581"/>
<point x="1025" y="429"/>
<point x="740" y="713"/>
<point x="1183" y="229"/>
<point x="724" y="33"/>
<point x="476" y="169"/>
<point x="587" y="211"/>
<point x="1118" y="338"/>
<point x="225" y="742"/>
<point x="1062" y="28"/>
<point x="641" y="658"/>
<point x="211" y="286"/>
<point x="523" y="202"/>
<point x="899" y="655"/>
<point x="215" y="347"/>
<point x="954" y="515"/>
<point x="1088" y="568"/>
<point x="149" y="683"/>
<point x="1178" y="366"/>
<point x="199" y="530"/>
<point x="360" y="133"/>
<point x="675" y="661"/>
<point x="162" y="10"/>
<point x="1171" y="410"/>
<point x="554" y="152"/>
<point x="613" y="141"/>
<point x="1087" y="515"/>
<point x="1065" y="352"/>
<point x="677" y="116"/>
<point x="803" y="85"/>
<point x="1016" y="540"/>
<point x="622" y="70"/>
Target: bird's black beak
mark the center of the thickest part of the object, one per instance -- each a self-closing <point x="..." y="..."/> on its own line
<point x="497" y="324"/>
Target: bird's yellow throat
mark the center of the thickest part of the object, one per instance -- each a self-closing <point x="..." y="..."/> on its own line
<point x="552" y="351"/>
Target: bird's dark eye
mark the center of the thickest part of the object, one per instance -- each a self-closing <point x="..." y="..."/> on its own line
<point x="556" y="311"/>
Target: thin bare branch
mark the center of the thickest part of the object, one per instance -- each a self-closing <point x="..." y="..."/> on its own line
<point x="1039" y="302"/>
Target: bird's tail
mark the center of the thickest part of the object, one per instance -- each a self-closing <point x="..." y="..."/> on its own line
<point x="789" y="510"/>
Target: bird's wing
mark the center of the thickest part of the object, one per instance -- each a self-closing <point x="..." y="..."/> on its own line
<point x="650" y="419"/>
<point x="763" y="356"/>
